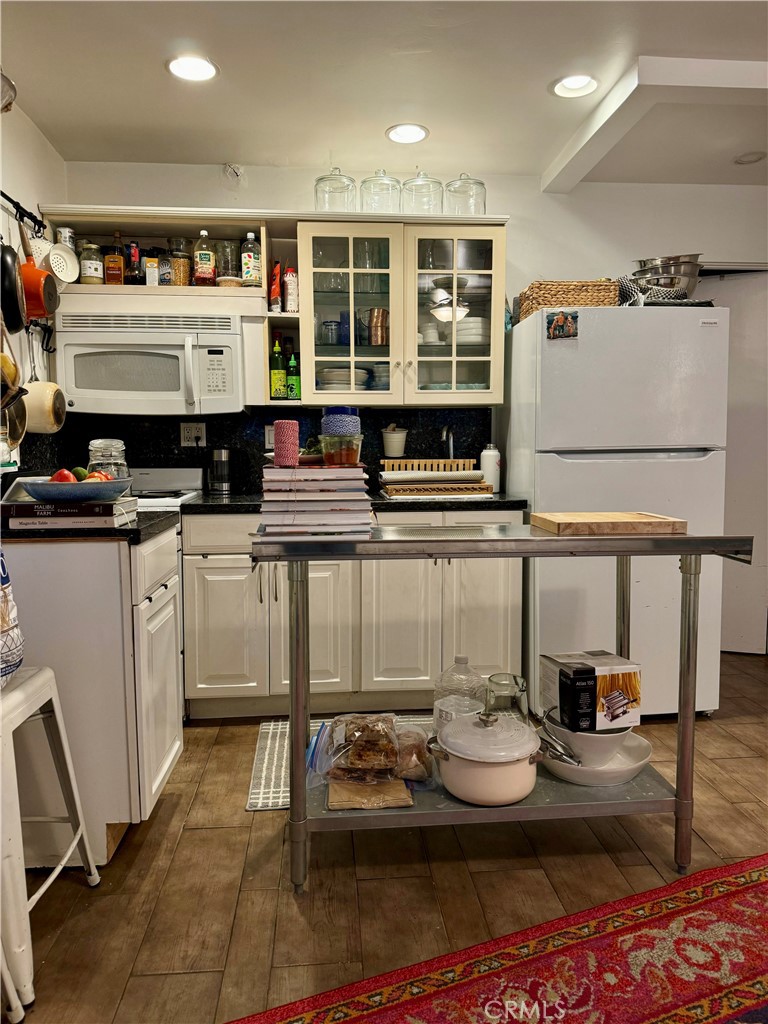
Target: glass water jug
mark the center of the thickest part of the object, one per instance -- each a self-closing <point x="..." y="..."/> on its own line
<point x="380" y="193"/>
<point x="108" y="455"/>
<point x="465" y="197"/>
<point x="335" y="192"/>
<point x="422" y="195"/>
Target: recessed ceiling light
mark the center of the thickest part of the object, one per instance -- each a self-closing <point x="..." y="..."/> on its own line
<point x="753" y="157"/>
<point x="192" y="69"/>
<point x="407" y="132"/>
<point x="574" y="85"/>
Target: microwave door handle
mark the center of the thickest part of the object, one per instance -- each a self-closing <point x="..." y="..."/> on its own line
<point x="189" y="370"/>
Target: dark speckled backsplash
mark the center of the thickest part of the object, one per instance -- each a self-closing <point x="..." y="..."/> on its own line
<point x="154" y="440"/>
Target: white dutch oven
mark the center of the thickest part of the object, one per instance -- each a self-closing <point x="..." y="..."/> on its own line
<point x="487" y="759"/>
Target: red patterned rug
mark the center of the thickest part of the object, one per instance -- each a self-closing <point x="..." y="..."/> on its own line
<point x="692" y="952"/>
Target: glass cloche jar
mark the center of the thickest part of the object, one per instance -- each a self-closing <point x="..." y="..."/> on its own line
<point x="422" y="194"/>
<point x="380" y="193"/>
<point x="107" y="454"/>
<point x="335" y="192"/>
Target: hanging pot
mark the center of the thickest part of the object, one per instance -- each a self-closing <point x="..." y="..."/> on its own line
<point x="13" y="301"/>
<point x="45" y="403"/>
<point x="40" y="290"/>
<point x="15" y="417"/>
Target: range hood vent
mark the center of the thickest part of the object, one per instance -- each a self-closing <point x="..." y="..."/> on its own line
<point x="211" y="324"/>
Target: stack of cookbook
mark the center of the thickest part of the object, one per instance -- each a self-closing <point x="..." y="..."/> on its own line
<point x="315" y="503"/>
<point x="28" y="514"/>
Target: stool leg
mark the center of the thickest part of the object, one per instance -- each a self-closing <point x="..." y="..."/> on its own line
<point x="57" y="741"/>
<point x="14" y="1010"/>
<point x="15" y="929"/>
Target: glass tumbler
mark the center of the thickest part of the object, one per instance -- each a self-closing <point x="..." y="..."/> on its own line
<point x="422" y="195"/>
<point x="465" y="197"/>
<point x="380" y="193"/>
<point x="227" y="258"/>
<point x="335" y="192"/>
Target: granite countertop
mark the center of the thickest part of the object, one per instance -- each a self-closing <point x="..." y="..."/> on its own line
<point x="250" y="504"/>
<point x="148" y="524"/>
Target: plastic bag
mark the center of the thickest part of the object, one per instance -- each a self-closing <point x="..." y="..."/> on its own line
<point x="414" y="760"/>
<point x="364" y="742"/>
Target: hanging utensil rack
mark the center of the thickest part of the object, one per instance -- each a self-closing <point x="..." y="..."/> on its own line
<point x="22" y="214"/>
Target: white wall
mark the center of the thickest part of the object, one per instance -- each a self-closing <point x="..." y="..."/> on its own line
<point x="596" y="231"/>
<point x="745" y="588"/>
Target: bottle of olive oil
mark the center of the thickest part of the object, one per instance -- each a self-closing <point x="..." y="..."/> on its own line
<point x="278" y="385"/>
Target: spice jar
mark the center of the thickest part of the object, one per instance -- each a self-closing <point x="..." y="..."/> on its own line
<point x="181" y="260"/>
<point x="91" y="264"/>
<point x="108" y="455"/>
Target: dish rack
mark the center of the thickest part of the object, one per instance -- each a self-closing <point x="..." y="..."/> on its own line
<point x="435" y="488"/>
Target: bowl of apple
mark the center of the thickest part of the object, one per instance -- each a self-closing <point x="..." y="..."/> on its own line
<point x="76" y="485"/>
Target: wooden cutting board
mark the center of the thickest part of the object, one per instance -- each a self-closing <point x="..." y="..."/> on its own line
<point x="596" y="524"/>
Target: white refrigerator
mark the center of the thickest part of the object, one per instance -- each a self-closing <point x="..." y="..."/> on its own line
<point x="626" y="415"/>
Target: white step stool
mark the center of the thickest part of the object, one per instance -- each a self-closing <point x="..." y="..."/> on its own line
<point x="31" y="694"/>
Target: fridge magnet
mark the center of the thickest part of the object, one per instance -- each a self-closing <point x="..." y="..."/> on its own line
<point x="563" y="324"/>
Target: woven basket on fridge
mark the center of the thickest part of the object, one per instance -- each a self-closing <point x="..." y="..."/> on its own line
<point x="542" y="294"/>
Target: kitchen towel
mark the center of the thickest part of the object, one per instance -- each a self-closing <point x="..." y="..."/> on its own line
<point x="286" y="442"/>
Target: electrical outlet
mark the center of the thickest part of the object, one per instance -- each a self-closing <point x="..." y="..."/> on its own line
<point x="269" y="437"/>
<point x="189" y="434"/>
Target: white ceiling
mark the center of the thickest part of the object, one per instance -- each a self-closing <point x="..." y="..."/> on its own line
<point x="311" y="83"/>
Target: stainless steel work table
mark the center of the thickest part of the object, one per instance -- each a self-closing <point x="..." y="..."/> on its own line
<point x="551" y="798"/>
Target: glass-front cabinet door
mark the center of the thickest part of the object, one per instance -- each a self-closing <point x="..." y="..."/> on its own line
<point x="351" y="313"/>
<point x="454" y="315"/>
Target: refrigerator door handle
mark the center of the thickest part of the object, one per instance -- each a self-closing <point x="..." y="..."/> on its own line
<point x="635" y="455"/>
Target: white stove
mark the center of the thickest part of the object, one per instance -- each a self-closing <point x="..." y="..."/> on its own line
<point x="164" y="490"/>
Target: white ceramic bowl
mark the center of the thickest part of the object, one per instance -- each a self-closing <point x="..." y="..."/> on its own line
<point x="593" y="749"/>
<point x="626" y="763"/>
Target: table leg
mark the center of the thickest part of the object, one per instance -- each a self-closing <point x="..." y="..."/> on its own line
<point x="298" y="650"/>
<point x="623" y="599"/>
<point x="690" y="568"/>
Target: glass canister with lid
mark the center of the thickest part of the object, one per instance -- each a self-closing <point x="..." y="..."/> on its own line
<point x="335" y="192"/>
<point x="91" y="264"/>
<point x="465" y="197"/>
<point x="180" y="250"/>
<point x="107" y="454"/>
<point x="422" y="194"/>
<point x="380" y="193"/>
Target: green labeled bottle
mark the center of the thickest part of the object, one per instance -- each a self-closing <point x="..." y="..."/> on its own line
<point x="293" y="379"/>
<point x="278" y="386"/>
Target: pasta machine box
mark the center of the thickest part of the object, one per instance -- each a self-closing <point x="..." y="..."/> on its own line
<point x="592" y="690"/>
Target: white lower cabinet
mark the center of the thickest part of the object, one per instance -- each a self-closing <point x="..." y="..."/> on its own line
<point x="226" y="627"/>
<point x="482" y="604"/>
<point x="401" y="615"/>
<point x="334" y="639"/>
<point x="374" y="626"/>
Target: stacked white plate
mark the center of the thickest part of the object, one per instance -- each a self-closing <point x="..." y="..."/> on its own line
<point x="428" y="333"/>
<point x="473" y="330"/>
<point x="332" y="378"/>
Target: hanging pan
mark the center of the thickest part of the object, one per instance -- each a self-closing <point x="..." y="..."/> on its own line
<point x="39" y="285"/>
<point x="13" y="302"/>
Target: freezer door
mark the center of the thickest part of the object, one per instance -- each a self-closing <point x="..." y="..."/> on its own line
<point x="572" y="601"/>
<point x="634" y="378"/>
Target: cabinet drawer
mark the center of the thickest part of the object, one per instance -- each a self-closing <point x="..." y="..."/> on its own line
<point x="218" y="535"/>
<point x="151" y="563"/>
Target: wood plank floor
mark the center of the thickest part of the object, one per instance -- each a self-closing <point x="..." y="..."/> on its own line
<point x="195" y="921"/>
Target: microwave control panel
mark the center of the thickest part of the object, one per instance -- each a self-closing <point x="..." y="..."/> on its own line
<point x="216" y="371"/>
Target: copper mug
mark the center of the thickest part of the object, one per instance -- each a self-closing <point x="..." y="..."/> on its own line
<point x="378" y="326"/>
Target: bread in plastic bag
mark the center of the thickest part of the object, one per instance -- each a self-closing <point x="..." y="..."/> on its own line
<point x="364" y="742"/>
<point x="414" y="760"/>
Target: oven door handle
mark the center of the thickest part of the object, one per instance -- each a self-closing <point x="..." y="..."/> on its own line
<point x="189" y="370"/>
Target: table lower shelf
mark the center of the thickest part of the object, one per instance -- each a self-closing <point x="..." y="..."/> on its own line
<point x="551" y="798"/>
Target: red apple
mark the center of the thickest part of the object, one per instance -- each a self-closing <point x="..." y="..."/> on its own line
<point x="63" y="476"/>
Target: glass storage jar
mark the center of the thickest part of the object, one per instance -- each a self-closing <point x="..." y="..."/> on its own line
<point x="91" y="264"/>
<point x="422" y="194"/>
<point x="181" y="260"/>
<point x="108" y="455"/>
<point x="380" y="193"/>
<point x="227" y="258"/>
<point x="335" y="192"/>
<point x="465" y="197"/>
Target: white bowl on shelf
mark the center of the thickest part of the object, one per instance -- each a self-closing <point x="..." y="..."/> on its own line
<point x="593" y="749"/>
<point x="628" y="761"/>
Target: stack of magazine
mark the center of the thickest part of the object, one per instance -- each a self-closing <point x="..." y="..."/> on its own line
<point x="28" y="514"/>
<point x="315" y="503"/>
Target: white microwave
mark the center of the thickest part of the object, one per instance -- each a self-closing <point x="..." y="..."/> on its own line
<point x="150" y="364"/>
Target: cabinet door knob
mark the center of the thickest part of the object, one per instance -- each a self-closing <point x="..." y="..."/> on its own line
<point x="409" y="364"/>
<point x="398" y="364"/>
